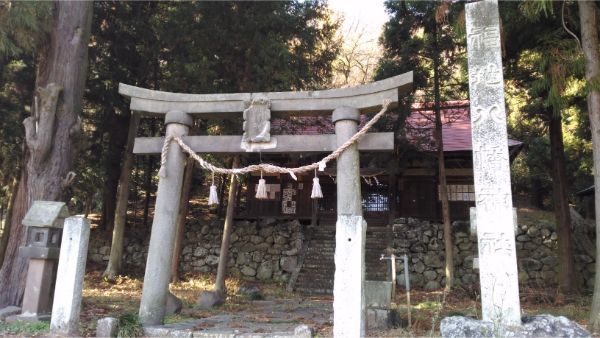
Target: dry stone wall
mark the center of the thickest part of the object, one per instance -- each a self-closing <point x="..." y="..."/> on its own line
<point x="270" y="249"/>
<point x="265" y="250"/>
<point x="536" y="247"/>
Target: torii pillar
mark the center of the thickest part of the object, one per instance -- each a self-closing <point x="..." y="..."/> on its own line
<point x="349" y="304"/>
<point x="162" y="238"/>
<point x="350" y="232"/>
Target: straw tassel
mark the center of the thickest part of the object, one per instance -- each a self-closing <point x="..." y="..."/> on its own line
<point x="261" y="191"/>
<point x="213" y="196"/>
<point x="316" y="189"/>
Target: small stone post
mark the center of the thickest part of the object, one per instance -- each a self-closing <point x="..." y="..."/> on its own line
<point x="71" y="269"/>
<point x="162" y="238"/>
<point x="493" y="198"/>
<point x="348" y="288"/>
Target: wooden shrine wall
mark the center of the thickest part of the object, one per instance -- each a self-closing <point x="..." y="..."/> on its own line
<point x="291" y="199"/>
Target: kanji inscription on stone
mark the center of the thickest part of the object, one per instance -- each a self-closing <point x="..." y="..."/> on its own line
<point x="493" y="199"/>
<point x="257" y="117"/>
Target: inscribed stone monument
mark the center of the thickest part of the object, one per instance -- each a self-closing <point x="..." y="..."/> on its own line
<point x="495" y="227"/>
<point x="257" y="125"/>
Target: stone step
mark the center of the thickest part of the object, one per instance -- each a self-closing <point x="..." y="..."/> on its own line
<point x="318" y="269"/>
<point x="311" y="291"/>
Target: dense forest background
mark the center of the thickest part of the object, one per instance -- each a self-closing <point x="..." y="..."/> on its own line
<point x="218" y="47"/>
<point x="202" y="47"/>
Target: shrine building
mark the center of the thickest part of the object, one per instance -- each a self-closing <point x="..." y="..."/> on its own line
<point x="395" y="185"/>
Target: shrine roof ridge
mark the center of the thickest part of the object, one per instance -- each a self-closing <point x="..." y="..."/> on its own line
<point x="367" y="98"/>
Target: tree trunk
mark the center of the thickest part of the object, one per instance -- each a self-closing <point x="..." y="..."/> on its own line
<point x="88" y="205"/>
<point x="566" y="273"/>
<point x="147" y="188"/>
<point x="181" y="218"/>
<point x="448" y="245"/>
<point x="589" y="42"/>
<point x="536" y="196"/>
<point x="7" y="224"/>
<point x="149" y="174"/>
<point x="224" y="253"/>
<point x="221" y="195"/>
<point x="51" y="132"/>
<point x="116" y="249"/>
<point x="112" y="174"/>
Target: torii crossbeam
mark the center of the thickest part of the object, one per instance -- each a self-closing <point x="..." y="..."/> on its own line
<point x="346" y="104"/>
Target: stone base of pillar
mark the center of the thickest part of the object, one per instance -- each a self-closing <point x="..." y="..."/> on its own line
<point x="25" y="317"/>
<point x="348" y="289"/>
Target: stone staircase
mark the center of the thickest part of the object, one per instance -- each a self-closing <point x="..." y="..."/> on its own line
<point x="316" y="274"/>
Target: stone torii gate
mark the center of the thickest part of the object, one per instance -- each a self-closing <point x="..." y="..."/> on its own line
<point x="346" y="104"/>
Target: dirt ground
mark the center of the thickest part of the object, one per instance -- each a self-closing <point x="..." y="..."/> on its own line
<point x="278" y="308"/>
<point x="105" y="298"/>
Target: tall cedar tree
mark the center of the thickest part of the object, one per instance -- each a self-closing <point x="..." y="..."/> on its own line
<point x="543" y="59"/>
<point x="51" y="145"/>
<point x="418" y="37"/>
<point x="589" y="14"/>
<point x="23" y="25"/>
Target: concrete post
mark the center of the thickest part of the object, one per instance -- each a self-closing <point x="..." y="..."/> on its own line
<point x="162" y="239"/>
<point x="69" y="277"/>
<point x="348" y="288"/>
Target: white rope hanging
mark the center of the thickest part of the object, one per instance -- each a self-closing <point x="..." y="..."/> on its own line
<point x="316" y="189"/>
<point x="213" y="197"/>
<point x="261" y="190"/>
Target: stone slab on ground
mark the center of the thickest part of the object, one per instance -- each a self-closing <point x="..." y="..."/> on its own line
<point x="378" y="319"/>
<point x="28" y="317"/>
<point x="107" y="327"/>
<point x="185" y="330"/>
<point x="265" y="318"/>
<point x="9" y="311"/>
<point x="174" y="304"/>
<point x="532" y="326"/>
<point x="209" y="299"/>
<point x="378" y="294"/>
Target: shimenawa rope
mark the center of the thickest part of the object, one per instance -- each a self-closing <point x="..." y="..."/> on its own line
<point x="266" y="167"/>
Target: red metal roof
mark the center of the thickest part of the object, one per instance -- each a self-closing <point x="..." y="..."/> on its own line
<point x="420" y="124"/>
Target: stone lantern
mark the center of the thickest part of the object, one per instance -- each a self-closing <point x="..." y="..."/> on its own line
<point x="44" y="222"/>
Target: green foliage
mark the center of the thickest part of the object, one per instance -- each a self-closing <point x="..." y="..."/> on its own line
<point x="21" y="328"/>
<point x="16" y="77"/>
<point x="418" y="36"/>
<point x="535" y="9"/>
<point x="544" y="80"/>
<point x="418" y="32"/>
<point x="130" y="326"/>
<point x="23" y="26"/>
<point x="247" y="46"/>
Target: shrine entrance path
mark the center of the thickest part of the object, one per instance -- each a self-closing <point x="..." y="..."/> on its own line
<point x="280" y="317"/>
